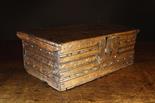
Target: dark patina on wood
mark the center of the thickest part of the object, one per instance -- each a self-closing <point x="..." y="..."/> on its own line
<point x="69" y="56"/>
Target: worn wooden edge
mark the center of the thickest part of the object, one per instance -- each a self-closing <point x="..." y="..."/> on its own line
<point x="39" y="41"/>
<point x="110" y="34"/>
<point x="72" y="45"/>
<point x="44" y="78"/>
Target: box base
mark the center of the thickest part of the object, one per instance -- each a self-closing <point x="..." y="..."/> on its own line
<point x="87" y="78"/>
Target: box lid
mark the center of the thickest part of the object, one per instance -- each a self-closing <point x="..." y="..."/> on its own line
<point x="77" y="32"/>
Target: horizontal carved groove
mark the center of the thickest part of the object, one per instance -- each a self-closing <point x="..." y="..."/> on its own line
<point x="38" y="65"/>
<point x="40" y="52"/>
<point x="80" y="62"/>
<point x="96" y="68"/>
<point x="127" y="36"/>
<point x="79" y="69"/>
<point x="40" y="59"/>
<point x="43" y="69"/>
<point x="126" y="48"/>
<point x="31" y="46"/>
<point x="93" y="75"/>
<point x="80" y="74"/>
<point x="130" y="52"/>
<point x="52" y="79"/>
<point x="38" y="55"/>
<point x="125" y="43"/>
<point x="76" y="45"/>
<point x="36" y="68"/>
<point x="82" y="50"/>
<point x="69" y="70"/>
<point x="30" y="59"/>
<point x="77" y="57"/>
<point x="74" y="68"/>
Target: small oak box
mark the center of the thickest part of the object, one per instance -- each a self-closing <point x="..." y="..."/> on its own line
<point x="69" y="56"/>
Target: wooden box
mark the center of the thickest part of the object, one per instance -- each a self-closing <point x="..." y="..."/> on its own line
<point x="69" y="56"/>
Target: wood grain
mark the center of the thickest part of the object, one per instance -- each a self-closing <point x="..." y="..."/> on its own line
<point x="134" y="84"/>
<point x="48" y="59"/>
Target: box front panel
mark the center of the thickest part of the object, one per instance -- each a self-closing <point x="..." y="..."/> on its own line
<point x="108" y="54"/>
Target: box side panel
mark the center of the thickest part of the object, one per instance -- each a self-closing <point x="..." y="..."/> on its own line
<point x="95" y="58"/>
<point x="41" y="63"/>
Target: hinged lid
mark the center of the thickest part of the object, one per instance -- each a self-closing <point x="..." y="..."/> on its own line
<point x="59" y="35"/>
